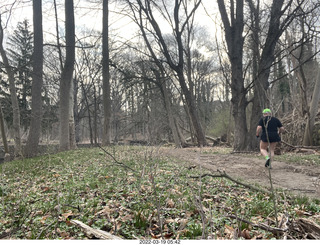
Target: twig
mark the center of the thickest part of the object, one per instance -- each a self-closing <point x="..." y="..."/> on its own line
<point x="46" y="228"/>
<point x="157" y="200"/>
<point x="225" y="175"/>
<point x="302" y="190"/>
<point x="274" y="198"/>
<point x="115" y="160"/>
<point x="265" y="227"/>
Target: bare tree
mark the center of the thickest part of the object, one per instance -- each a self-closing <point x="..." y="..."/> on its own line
<point x="281" y="15"/>
<point x="233" y="27"/>
<point x="13" y="94"/>
<point x="176" y="59"/>
<point x="106" y="137"/>
<point x="66" y="76"/>
<point x="37" y="81"/>
<point x="307" y="139"/>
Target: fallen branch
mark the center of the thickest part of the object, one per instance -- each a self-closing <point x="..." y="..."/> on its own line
<point x="307" y="228"/>
<point x="301" y="146"/>
<point x="115" y="160"/>
<point x="94" y="233"/>
<point x="225" y="175"/>
<point x="265" y="227"/>
<point x="44" y="229"/>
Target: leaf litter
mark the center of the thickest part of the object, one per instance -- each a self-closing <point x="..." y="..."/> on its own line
<point x="159" y="200"/>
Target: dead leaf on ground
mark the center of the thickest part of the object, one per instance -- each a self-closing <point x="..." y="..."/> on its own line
<point x="246" y="234"/>
<point x="170" y="203"/>
<point x="43" y="220"/>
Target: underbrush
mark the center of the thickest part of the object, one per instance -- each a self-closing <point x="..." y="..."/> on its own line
<point x="308" y="159"/>
<point x="134" y="193"/>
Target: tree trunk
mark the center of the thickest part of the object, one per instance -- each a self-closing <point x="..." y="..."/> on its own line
<point x="89" y="113"/>
<point x="3" y="132"/>
<point x="307" y="139"/>
<point x="299" y="73"/>
<point x="37" y="81"/>
<point x="106" y="137"/>
<point x="261" y="80"/>
<point x="234" y="38"/>
<point x="66" y="77"/>
<point x="190" y="103"/>
<point x="168" y="107"/>
<point x="72" y="130"/>
<point x="13" y="94"/>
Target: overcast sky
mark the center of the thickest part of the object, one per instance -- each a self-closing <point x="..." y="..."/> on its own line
<point x="88" y="15"/>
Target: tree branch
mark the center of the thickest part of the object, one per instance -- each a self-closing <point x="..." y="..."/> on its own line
<point x="265" y="227"/>
<point x="116" y="161"/>
<point x="225" y="175"/>
<point x="94" y="233"/>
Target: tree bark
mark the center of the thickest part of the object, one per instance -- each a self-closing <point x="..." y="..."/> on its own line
<point x="37" y="82"/>
<point x="72" y="130"/>
<point x="3" y="132"/>
<point x="261" y="80"/>
<point x="13" y="94"/>
<point x="307" y="139"/>
<point x="106" y="137"/>
<point x="66" y="76"/>
<point x="233" y="34"/>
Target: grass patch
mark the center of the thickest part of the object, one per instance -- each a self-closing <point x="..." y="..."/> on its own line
<point x="310" y="159"/>
<point x="143" y="195"/>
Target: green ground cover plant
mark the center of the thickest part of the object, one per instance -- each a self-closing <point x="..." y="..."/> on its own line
<point x="135" y="193"/>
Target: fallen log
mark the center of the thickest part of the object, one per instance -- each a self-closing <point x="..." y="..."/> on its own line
<point x="94" y="233"/>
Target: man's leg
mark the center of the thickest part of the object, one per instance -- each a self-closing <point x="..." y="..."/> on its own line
<point x="272" y="148"/>
<point x="264" y="152"/>
<point x="264" y="148"/>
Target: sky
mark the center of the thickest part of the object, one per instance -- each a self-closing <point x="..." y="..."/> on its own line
<point x="88" y="15"/>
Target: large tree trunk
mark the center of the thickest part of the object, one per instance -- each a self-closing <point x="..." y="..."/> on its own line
<point x="234" y="38"/>
<point x="37" y="81"/>
<point x="66" y="76"/>
<point x="261" y="99"/>
<point x="307" y="139"/>
<point x="106" y="137"/>
<point x="13" y="94"/>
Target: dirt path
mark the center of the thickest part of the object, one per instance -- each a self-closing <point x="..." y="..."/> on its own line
<point x="299" y="179"/>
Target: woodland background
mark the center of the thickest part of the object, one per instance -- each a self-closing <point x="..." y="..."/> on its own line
<point x="174" y="77"/>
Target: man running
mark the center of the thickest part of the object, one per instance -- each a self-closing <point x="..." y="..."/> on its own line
<point x="271" y="128"/>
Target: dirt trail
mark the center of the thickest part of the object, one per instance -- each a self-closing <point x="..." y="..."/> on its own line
<point x="298" y="179"/>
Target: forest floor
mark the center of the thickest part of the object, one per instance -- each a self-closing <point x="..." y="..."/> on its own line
<point x="136" y="192"/>
<point x="302" y="179"/>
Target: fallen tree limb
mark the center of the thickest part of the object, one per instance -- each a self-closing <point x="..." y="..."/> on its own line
<point x="301" y="146"/>
<point x="308" y="228"/>
<point x="94" y="233"/>
<point x="225" y="175"/>
<point x="265" y="227"/>
<point x="298" y="229"/>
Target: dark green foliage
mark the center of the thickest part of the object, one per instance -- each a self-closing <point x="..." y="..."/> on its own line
<point x="20" y="54"/>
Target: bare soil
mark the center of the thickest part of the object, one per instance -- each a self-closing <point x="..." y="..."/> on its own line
<point x="298" y="179"/>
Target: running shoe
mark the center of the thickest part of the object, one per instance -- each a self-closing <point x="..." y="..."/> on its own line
<point x="267" y="163"/>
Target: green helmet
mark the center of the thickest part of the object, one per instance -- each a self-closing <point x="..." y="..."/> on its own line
<point x="267" y="110"/>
